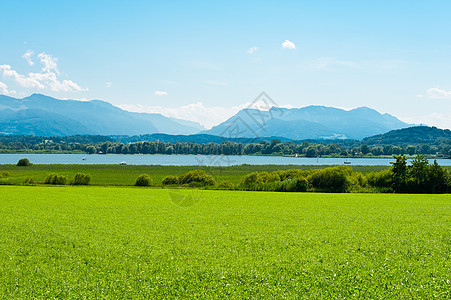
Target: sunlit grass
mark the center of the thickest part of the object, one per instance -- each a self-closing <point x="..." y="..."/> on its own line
<point x="94" y="242"/>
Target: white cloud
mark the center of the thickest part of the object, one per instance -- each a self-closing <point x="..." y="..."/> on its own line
<point x="27" y="56"/>
<point x="252" y="50"/>
<point x="109" y="84"/>
<point x="24" y="81"/>
<point x="48" y="62"/>
<point x="160" y="93"/>
<point x="46" y="79"/>
<point x="4" y="89"/>
<point x="288" y="45"/>
<point x="437" y="93"/>
<point x="440" y="120"/>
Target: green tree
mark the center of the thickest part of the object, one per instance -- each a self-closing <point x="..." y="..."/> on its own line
<point x="143" y="180"/>
<point x="418" y="177"/>
<point x="23" y="162"/>
<point x="399" y="173"/>
<point x="439" y="179"/>
<point x="90" y="149"/>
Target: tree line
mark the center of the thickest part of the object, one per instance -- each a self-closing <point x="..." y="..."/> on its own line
<point x="275" y="147"/>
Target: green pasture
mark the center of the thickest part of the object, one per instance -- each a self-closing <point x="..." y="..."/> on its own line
<point x="126" y="175"/>
<point x="149" y="243"/>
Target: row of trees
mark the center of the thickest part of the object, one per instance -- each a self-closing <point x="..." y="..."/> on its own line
<point x="275" y="147"/>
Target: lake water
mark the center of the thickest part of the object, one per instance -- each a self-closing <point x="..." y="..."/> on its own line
<point x="193" y="160"/>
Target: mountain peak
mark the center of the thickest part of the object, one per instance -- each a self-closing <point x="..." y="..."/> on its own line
<point x="313" y="122"/>
<point x="39" y="114"/>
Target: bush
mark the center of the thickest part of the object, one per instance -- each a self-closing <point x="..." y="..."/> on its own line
<point x="23" y="162"/>
<point x="168" y="180"/>
<point x="81" y="179"/>
<point x="28" y="180"/>
<point x="249" y="179"/>
<point x="291" y="174"/>
<point x="335" y="179"/>
<point x="264" y="181"/>
<point x="4" y="174"/>
<point x="143" y="180"/>
<point x="226" y="185"/>
<point x="252" y="180"/>
<point x="382" y="179"/>
<point x="197" y="178"/>
<point x="55" y="179"/>
<point x="295" y="185"/>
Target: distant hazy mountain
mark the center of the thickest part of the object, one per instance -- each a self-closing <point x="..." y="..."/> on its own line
<point x="311" y="122"/>
<point x="411" y="135"/>
<point x="42" y="115"/>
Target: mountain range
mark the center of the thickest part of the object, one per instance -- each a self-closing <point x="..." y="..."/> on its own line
<point x="310" y="122"/>
<point x="41" y="115"/>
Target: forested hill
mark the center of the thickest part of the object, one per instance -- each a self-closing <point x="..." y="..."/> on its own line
<point x="411" y="135"/>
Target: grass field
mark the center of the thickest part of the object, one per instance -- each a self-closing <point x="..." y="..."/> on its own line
<point x="125" y="242"/>
<point x="126" y="175"/>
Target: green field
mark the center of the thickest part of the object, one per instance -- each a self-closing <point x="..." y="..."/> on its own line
<point x="125" y="242"/>
<point x="126" y="175"/>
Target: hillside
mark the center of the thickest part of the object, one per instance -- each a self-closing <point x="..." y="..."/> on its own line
<point x="46" y="116"/>
<point x="311" y="122"/>
<point x="411" y="135"/>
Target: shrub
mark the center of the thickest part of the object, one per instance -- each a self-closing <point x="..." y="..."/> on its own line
<point x="168" y="180"/>
<point x="4" y="174"/>
<point x="81" y="179"/>
<point x="252" y="180"/>
<point x="226" y="185"/>
<point x="197" y="178"/>
<point x="23" y="162"/>
<point x="143" y="180"/>
<point x="335" y="179"/>
<point x="295" y="185"/>
<point x="290" y="174"/>
<point x="28" y="180"/>
<point x="55" y="179"/>
<point x="265" y="177"/>
<point x="249" y="179"/>
<point x="382" y="179"/>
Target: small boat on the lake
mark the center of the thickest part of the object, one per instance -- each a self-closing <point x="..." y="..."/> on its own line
<point x="84" y="158"/>
<point x="347" y="162"/>
<point x="122" y="163"/>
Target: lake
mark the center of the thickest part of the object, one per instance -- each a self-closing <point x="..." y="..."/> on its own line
<point x="193" y="160"/>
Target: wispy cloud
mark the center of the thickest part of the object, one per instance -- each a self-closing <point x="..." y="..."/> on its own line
<point x="46" y="79"/>
<point x="49" y="63"/>
<point x="440" y="120"/>
<point x="437" y="93"/>
<point x="4" y="89"/>
<point x="252" y="50"/>
<point x="24" y="81"/>
<point x="160" y="93"/>
<point x="109" y="84"/>
<point x="27" y="56"/>
<point x="288" y="45"/>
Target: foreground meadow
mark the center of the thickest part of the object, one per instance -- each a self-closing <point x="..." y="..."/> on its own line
<point x="123" y="242"/>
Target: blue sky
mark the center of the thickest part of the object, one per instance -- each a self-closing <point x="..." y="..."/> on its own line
<point x="204" y="60"/>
